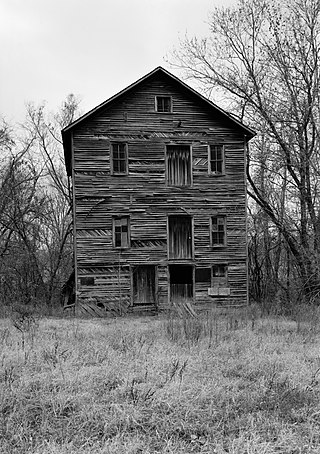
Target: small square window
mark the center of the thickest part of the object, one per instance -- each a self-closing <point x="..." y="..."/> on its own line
<point x="218" y="231"/>
<point x="203" y="275"/>
<point x="163" y="104"/>
<point x="121" y="232"/>
<point x="119" y="159"/>
<point x="216" y="160"/>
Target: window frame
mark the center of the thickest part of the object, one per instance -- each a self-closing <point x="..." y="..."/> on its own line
<point x="156" y="105"/>
<point x="218" y="217"/>
<point x="112" y="158"/>
<point x="177" y="145"/>
<point x="216" y="160"/>
<point x="220" y="279"/>
<point x="114" y="233"/>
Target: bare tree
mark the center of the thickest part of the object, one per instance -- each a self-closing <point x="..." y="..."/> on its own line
<point x="264" y="58"/>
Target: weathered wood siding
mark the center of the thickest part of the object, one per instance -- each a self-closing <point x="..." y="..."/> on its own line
<point x="144" y="195"/>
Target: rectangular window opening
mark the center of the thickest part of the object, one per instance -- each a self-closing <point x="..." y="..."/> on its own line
<point x="178" y="159"/>
<point x="220" y="275"/>
<point x="203" y="275"/>
<point x="121" y="232"/>
<point x="119" y="159"/>
<point x="163" y="104"/>
<point x="218" y="230"/>
<point x="216" y="159"/>
<point x="87" y="280"/>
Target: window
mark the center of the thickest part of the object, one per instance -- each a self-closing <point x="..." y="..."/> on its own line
<point x="218" y="231"/>
<point x="119" y="159"/>
<point x="87" y="280"/>
<point x="178" y="161"/>
<point x="219" y="275"/>
<point x="163" y="104"/>
<point x="121" y="232"/>
<point x="216" y="159"/>
<point x="203" y="275"/>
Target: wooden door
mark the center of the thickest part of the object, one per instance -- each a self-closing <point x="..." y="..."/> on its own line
<point x="144" y="285"/>
<point x="180" y="237"/>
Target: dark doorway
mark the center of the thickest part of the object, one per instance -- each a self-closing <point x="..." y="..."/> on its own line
<point x="144" y="285"/>
<point x="180" y="237"/>
<point x="181" y="282"/>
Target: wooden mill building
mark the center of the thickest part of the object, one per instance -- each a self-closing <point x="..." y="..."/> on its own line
<point x="158" y="176"/>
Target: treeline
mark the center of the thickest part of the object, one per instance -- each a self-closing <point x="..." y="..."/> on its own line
<point x="35" y="210"/>
<point x="262" y="59"/>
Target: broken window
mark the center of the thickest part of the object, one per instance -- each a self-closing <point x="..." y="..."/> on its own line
<point x="121" y="232"/>
<point x="220" y="275"/>
<point x="180" y="237"/>
<point x="218" y="230"/>
<point x="163" y="104"/>
<point x="87" y="280"/>
<point x="119" y="159"/>
<point x="144" y="285"/>
<point x="203" y="275"/>
<point x="178" y="165"/>
<point x="216" y="159"/>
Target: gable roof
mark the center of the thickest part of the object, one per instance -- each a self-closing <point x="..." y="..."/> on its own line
<point x="66" y="132"/>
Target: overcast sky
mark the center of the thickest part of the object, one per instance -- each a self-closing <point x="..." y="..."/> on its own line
<point x="92" y="48"/>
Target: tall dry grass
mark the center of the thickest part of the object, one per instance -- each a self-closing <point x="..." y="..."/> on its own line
<point x="222" y="383"/>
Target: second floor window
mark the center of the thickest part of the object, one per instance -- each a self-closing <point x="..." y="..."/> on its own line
<point x="216" y="159"/>
<point x="178" y="165"/>
<point x="121" y="232"/>
<point x="119" y="159"/>
<point x="218" y="231"/>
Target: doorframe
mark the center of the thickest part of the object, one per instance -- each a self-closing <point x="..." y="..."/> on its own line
<point x="156" y="287"/>
<point x="185" y="215"/>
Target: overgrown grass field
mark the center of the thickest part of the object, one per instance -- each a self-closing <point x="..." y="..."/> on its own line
<point x="216" y="384"/>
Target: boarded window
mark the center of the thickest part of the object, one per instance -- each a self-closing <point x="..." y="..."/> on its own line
<point x="119" y="159"/>
<point x="87" y="280"/>
<point x="178" y="165"/>
<point x="180" y="237"/>
<point x="121" y="232"/>
<point x="216" y="160"/>
<point x="218" y="230"/>
<point x="220" y="275"/>
<point x="203" y="275"/>
<point x="144" y="285"/>
<point x="163" y="104"/>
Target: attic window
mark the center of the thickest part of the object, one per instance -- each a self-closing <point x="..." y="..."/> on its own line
<point x="163" y="104"/>
<point x="119" y="159"/>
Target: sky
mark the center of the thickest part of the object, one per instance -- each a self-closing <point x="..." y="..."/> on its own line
<point x="91" y="48"/>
